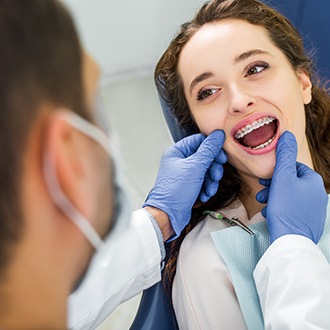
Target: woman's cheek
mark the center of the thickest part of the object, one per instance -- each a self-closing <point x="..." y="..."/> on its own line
<point x="210" y="121"/>
<point x="229" y="152"/>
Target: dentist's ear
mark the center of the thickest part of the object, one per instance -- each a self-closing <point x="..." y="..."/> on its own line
<point x="68" y="150"/>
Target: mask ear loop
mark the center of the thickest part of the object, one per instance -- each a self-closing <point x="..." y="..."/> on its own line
<point x="54" y="187"/>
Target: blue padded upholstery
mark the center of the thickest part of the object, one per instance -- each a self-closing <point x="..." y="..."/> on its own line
<point x="312" y="20"/>
<point x="155" y="311"/>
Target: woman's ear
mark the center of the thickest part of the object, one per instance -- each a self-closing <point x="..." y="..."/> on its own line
<point x="67" y="148"/>
<point x="306" y="85"/>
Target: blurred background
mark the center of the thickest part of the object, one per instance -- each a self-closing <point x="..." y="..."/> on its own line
<point x="127" y="38"/>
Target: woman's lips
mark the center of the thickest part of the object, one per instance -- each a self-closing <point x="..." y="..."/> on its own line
<point x="258" y="134"/>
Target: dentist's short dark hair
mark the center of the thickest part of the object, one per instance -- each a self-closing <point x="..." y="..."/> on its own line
<point x="40" y="62"/>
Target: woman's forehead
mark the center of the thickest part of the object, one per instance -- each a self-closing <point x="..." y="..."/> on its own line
<point x="225" y="41"/>
<point x="230" y="34"/>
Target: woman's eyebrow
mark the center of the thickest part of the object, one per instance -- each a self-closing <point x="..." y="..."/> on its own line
<point x="250" y="53"/>
<point x="200" y="78"/>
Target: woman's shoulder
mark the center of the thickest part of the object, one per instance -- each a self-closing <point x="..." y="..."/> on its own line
<point x="202" y="283"/>
<point x="198" y="246"/>
<point x="201" y="232"/>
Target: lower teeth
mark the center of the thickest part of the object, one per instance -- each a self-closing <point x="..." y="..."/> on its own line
<point x="264" y="145"/>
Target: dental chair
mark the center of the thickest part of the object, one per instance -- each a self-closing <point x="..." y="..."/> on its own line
<point x="312" y="21"/>
<point x="155" y="311"/>
<point x="311" y="18"/>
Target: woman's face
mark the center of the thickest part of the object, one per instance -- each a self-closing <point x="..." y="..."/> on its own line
<point x="237" y="80"/>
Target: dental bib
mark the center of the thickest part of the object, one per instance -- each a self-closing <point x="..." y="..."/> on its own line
<point x="241" y="253"/>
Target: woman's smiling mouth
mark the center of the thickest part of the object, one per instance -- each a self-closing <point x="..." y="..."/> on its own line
<point x="257" y="135"/>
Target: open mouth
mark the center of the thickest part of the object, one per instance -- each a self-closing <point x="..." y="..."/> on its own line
<point x="259" y="134"/>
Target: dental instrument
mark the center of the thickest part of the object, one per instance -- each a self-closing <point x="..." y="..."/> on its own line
<point x="234" y="221"/>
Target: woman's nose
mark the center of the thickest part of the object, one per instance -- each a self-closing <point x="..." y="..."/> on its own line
<point x="241" y="100"/>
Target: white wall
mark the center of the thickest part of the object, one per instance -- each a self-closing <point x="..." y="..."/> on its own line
<point x="130" y="34"/>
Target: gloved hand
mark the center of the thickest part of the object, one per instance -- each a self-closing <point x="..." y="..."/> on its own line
<point x="297" y="200"/>
<point x="189" y="169"/>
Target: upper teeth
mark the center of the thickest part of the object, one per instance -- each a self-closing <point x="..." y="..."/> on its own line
<point x="255" y="125"/>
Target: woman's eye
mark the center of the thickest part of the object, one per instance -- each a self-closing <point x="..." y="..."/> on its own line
<point x="205" y="93"/>
<point x="255" y="69"/>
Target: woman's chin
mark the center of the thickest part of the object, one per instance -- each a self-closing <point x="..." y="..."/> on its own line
<point x="266" y="172"/>
<point x="258" y="168"/>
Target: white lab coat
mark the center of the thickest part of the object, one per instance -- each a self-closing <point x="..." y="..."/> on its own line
<point x="134" y="265"/>
<point x="293" y="283"/>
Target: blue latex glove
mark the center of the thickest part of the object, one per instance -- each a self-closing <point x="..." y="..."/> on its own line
<point x="189" y="169"/>
<point x="297" y="200"/>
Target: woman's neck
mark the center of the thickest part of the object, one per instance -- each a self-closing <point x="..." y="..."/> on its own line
<point x="248" y="199"/>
